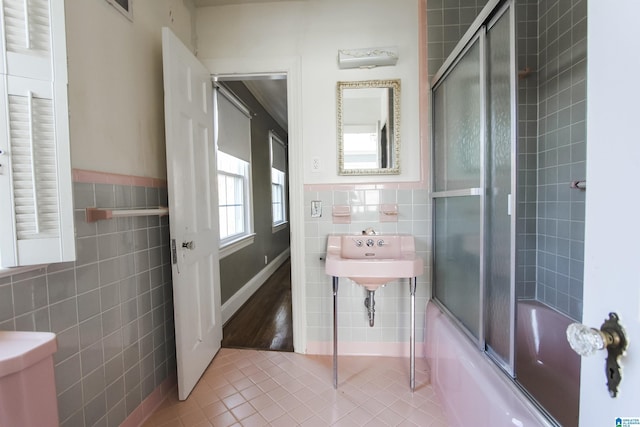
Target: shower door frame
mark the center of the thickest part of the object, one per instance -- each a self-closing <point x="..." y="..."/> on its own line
<point x="488" y="17"/>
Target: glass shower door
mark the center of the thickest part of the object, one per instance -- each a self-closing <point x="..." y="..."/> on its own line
<point x="500" y="179"/>
<point x="473" y="181"/>
<point x="457" y="182"/>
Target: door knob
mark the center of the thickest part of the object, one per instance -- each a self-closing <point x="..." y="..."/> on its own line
<point x="188" y="245"/>
<point x="586" y="341"/>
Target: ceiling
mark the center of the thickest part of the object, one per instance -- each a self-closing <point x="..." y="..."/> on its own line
<point x="272" y="94"/>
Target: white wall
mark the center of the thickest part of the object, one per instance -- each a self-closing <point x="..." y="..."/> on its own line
<point x="313" y="31"/>
<point x="115" y="83"/>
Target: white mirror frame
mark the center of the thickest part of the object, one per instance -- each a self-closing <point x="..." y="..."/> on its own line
<point x="395" y="137"/>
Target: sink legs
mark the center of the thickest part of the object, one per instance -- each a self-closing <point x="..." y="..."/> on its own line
<point x="335" y="332"/>
<point x="412" y="333"/>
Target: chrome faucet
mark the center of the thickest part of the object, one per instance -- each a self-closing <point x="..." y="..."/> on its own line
<point x="369" y="232"/>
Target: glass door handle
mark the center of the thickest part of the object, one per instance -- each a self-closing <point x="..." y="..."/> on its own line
<point x="586" y="341"/>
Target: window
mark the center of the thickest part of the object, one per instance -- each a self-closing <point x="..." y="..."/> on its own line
<point x="361" y="147"/>
<point x="36" y="208"/>
<point x="278" y="181"/>
<point x="277" y="197"/>
<point x="233" y="140"/>
<point x="233" y="182"/>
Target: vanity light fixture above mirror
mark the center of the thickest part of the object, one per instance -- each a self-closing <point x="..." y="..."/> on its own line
<point x="367" y="57"/>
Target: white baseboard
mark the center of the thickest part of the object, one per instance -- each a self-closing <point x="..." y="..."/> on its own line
<point x="235" y="302"/>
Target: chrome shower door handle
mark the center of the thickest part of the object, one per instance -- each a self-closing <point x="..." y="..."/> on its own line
<point x="586" y="341"/>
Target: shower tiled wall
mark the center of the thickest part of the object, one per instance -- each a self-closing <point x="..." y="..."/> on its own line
<point x="551" y="42"/>
<point x="112" y="308"/>
<point x="447" y="21"/>
<point x="392" y="301"/>
<point x="527" y="179"/>
<point x="562" y="61"/>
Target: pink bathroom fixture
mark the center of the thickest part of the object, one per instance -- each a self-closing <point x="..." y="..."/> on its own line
<point x="27" y="384"/>
<point x="472" y="389"/>
<point x="372" y="260"/>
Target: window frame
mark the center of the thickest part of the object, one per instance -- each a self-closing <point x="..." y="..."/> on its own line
<point x="241" y="179"/>
<point x="282" y="186"/>
<point x="235" y="242"/>
<point x="277" y="226"/>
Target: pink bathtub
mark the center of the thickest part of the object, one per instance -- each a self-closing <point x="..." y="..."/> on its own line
<point x="472" y="389"/>
<point x="545" y="364"/>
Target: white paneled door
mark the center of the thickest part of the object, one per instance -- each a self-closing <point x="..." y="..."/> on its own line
<point x="193" y="210"/>
<point x="612" y="232"/>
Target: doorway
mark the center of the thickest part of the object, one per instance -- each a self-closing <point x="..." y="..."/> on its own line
<point x="256" y="280"/>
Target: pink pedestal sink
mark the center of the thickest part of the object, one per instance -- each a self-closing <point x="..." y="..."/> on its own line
<point x="372" y="260"/>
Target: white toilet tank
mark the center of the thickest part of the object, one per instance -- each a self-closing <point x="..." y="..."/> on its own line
<point x="27" y="382"/>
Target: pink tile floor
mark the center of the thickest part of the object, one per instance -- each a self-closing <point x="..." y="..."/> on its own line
<point x="261" y="388"/>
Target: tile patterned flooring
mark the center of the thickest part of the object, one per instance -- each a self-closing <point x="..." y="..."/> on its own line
<point x="262" y="388"/>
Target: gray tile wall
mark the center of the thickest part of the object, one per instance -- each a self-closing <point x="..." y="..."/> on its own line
<point x="551" y="142"/>
<point x="561" y="153"/>
<point x="527" y="179"/>
<point x="112" y="309"/>
<point x="447" y="21"/>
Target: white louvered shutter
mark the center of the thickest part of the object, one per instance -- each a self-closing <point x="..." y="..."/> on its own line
<point x="36" y="207"/>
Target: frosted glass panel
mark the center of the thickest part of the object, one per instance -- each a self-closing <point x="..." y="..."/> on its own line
<point x="457" y="258"/>
<point x="499" y="322"/>
<point x="457" y="125"/>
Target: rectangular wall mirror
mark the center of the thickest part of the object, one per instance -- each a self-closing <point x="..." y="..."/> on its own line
<point x="369" y="127"/>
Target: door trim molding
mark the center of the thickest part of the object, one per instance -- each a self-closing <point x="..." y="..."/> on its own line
<point x="292" y="67"/>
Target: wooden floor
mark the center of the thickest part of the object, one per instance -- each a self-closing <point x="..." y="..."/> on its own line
<point x="264" y="322"/>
